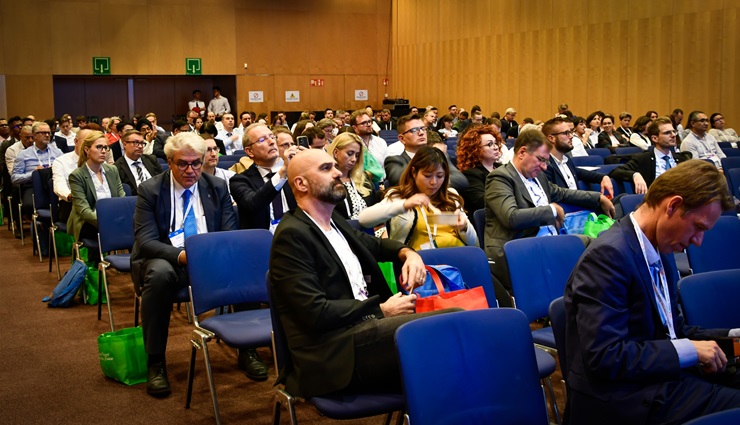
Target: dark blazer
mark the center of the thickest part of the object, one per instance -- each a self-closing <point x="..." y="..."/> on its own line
<point x="618" y="355"/>
<point x="555" y="176"/>
<point x="475" y="194"/>
<point x="390" y="125"/>
<point x="150" y="163"/>
<point x="395" y="164"/>
<point x="506" y="126"/>
<point x="153" y="214"/>
<point x="116" y="150"/>
<point x="604" y="141"/>
<point x="643" y="163"/>
<point x="624" y="135"/>
<point x="61" y="143"/>
<point x="253" y="197"/>
<point x="315" y="302"/>
<point x="159" y="141"/>
<point x="84" y="198"/>
<point x="511" y="213"/>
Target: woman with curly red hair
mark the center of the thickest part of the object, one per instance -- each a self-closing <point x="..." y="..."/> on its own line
<point x="478" y="151"/>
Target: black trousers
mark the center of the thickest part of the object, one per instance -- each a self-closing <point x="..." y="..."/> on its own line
<point x="159" y="285"/>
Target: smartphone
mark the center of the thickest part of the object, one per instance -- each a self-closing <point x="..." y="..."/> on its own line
<point x="303" y="141"/>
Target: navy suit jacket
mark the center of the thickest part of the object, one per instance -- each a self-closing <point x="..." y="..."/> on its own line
<point x="617" y="349"/>
<point x="643" y="163"/>
<point x="253" y="196"/>
<point x="148" y="161"/>
<point x="152" y="218"/>
<point x="554" y="175"/>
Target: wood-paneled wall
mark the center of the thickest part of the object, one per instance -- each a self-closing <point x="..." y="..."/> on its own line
<point x="613" y="55"/>
<point x="285" y="43"/>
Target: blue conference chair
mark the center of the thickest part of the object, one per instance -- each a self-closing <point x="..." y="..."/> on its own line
<point x="629" y="150"/>
<point x="227" y="268"/>
<point x="390" y="136"/>
<point x="539" y="269"/>
<point x="733" y="180"/>
<point x="720" y="249"/>
<point x="479" y="221"/>
<point x="490" y="369"/>
<point x="557" y="319"/>
<point x="730" y="152"/>
<point x="630" y="203"/>
<point x="587" y="161"/>
<point x="56" y="224"/>
<point x="41" y="204"/>
<point x="339" y="406"/>
<point x="115" y="233"/>
<point x="473" y="265"/>
<point x="725" y="145"/>
<point x="710" y="299"/>
<point x="602" y="152"/>
<point x="730" y="162"/>
<point x="726" y="417"/>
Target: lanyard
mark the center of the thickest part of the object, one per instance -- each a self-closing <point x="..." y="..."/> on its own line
<point x="174" y="208"/>
<point x="662" y="295"/>
<point x="39" y="159"/>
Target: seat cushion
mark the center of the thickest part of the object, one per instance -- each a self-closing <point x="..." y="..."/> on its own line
<point x="544" y="337"/>
<point x="354" y="406"/>
<point x="243" y="329"/>
<point x="545" y="363"/>
<point x="120" y="262"/>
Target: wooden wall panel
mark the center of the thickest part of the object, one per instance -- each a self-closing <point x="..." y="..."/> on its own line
<point x="29" y="94"/>
<point x="266" y="84"/>
<point x="730" y="54"/>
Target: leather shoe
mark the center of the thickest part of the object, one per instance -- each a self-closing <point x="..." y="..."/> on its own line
<point x="251" y="364"/>
<point x="157" y="384"/>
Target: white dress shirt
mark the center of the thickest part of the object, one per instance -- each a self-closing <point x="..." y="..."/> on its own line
<point x="132" y="167"/>
<point x="61" y="168"/>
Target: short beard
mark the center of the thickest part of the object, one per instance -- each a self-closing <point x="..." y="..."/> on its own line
<point x="332" y="194"/>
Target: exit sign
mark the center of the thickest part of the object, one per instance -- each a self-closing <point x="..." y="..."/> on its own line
<point x="101" y="66"/>
<point x="193" y="66"/>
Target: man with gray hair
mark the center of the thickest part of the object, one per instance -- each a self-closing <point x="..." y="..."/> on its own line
<point x="171" y="207"/>
<point x="508" y="123"/>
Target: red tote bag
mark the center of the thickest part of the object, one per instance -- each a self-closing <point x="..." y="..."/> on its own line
<point x="468" y="299"/>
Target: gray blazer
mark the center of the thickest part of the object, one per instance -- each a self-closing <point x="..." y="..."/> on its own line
<point x="84" y="198"/>
<point x="511" y="212"/>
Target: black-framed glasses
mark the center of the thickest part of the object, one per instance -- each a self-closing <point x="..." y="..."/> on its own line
<point x="415" y="130"/>
<point x="491" y="144"/>
<point x="45" y="133"/>
<point x="540" y="159"/>
<point x="102" y="148"/>
<point x="566" y="132"/>
<point x="213" y="150"/>
<point x="366" y="122"/>
<point x="138" y="144"/>
<point x="183" y="166"/>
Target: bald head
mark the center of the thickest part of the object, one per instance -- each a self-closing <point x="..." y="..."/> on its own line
<point x="314" y="179"/>
<point x="79" y="137"/>
<point x="303" y="162"/>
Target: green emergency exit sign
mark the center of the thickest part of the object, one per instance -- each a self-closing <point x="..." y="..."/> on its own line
<point x="101" y="66"/>
<point x="193" y="66"/>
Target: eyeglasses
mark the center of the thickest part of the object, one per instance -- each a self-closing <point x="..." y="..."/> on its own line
<point x="137" y="144"/>
<point x="4" y="125"/>
<point x="702" y="120"/>
<point x="286" y="145"/>
<point x="213" y="150"/>
<point x="263" y="139"/>
<point x="366" y="122"/>
<point x="540" y="159"/>
<point x="715" y="120"/>
<point x="45" y="133"/>
<point x="102" y="148"/>
<point x="182" y="166"/>
<point x="491" y="144"/>
<point x="567" y="133"/>
<point x="415" y="130"/>
<point x="669" y="133"/>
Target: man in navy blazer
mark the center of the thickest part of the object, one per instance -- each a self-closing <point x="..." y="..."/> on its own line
<point x="631" y="356"/>
<point x="643" y="168"/>
<point x="158" y="259"/>
<point x="133" y="160"/>
<point x="561" y="170"/>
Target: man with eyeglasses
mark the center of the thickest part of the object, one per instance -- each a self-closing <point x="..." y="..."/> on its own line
<point x="171" y="207"/>
<point x="699" y="143"/>
<point x="560" y="170"/>
<point x="134" y="166"/>
<point x="362" y="125"/>
<point x="412" y="135"/>
<point x="645" y="167"/>
<point x="521" y="203"/>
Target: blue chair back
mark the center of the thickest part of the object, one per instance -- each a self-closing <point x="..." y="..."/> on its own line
<point x="472" y="263"/>
<point x="710" y="299"/>
<point x="730" y="152"/>
<point x="53" y="202"/>
<point x="488" y="369"/>
<point x="556" y="312"/>
<point x="627" y="150"/>
<point x="730" y="162"/>
<point x="116" y="223"/>
<point x="539" y="269"/>
<point x="479" y="221"/>
<point x="41" y="193"/>
<point x="725" y="145"/>
<point x="279" y="340"/>
<point x="720" y="249"/>
<point x="355" y="224"/>
<point x="451" y="143"/>
<point x="602" y="152"/>
<point x="239" y="153"/>
<point x="587" y="161"/>
<point x="228" y="267"/>
<point x="390" y="136"/>
<point x="233" y="157"/>
<point x="126" y="189"/>
<point x="225" y="164"/>
<point x="510" y="142"/>
<point x="630" y="203"/>
<point x="733" y="180"/>
<point x="725" y="417"/>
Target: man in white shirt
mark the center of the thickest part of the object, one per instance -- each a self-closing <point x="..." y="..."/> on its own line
<point x="245" y="120"/>
<point x="230" y="138"/>
<point x="219" y="105"/>
<point x="197" y="105"/>
<point x="65" y="138"/>
<point x="701" y="144"/>
<point x="362" y="126"/>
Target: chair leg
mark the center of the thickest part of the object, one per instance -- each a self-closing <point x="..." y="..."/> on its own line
<point x="56" y="254"/>
<point x="20" y="225"/>
<point x="282" y="398"/>
<point x="36" y="234"/>
<point x="10" y="209"/>
<point x="189" y="312"/>
<point x="554" y="400"/>
<point x="211" y="384"/>
<point x="191" y="376"/>
<point x="103" y="279"/>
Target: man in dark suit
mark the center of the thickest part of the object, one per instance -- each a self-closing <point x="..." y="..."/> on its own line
<point x="645" y="167"/>
<point x="624" y="129"/>
<point x="158" y="260"/>
<point x="262" y="195"/>
<point x="337" y="310"/>
<point x="509" y="123"/>
<point x="133" y="166"/>
<point x="520" y="202"/>
<point x="631" y="356"/>
<point x="560" y="170"/>
<point x="386" y="121"/>
<point x="412" y="134"/>
<point x="161" y="137"/>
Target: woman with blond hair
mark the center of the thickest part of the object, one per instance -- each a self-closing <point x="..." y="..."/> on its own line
<point x="347" y="150"/>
